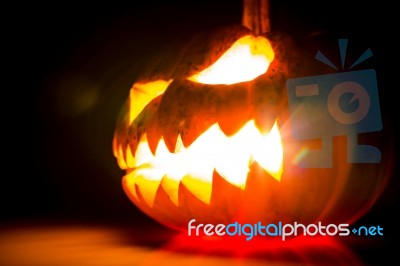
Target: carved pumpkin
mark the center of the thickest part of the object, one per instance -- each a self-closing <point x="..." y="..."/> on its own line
<point x="204" y="135"/>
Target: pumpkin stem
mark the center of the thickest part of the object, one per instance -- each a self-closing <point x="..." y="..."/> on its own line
<point x="256" y="16"/>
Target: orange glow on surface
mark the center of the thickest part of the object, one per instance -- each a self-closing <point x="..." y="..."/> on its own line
<point x="81" y="244"/>
<point x="194" y="166"/>
<point x="248" y="58"/>
<point x="301" y="249"/>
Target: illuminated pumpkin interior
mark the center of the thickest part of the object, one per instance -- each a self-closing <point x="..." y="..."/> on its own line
<point x="230" y="156"/>
<point x="248" y="58"/>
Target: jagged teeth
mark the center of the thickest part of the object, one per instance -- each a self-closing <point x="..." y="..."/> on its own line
<point x="170" y="139"/>
<point x="194" y="166"/>
<point x="147" y="182"/>
<point x="130" y="158"/>
<point x="129" y="185"/>
<point x="171" y="187"/>
<point x="200" y="189"/>
<point x="153" y="138"/>
<point x="119" y="154"/>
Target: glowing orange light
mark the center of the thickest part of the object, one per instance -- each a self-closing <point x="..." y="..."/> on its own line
<point x="248" y="58"/>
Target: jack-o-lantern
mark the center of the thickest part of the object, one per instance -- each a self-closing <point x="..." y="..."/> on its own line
<point x="205" y="136"/>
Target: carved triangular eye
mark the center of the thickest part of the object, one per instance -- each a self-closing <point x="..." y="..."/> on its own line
<point x="141" y="94"/>
<point x="248" y="58"/>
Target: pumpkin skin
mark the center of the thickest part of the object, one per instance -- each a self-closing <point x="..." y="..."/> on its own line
<point x="185" y="109"/>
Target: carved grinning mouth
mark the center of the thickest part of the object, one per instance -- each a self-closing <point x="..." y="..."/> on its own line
<point x="229" y="156"/>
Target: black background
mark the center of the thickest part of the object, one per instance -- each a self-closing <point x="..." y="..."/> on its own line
<point x="59" y="161"/>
